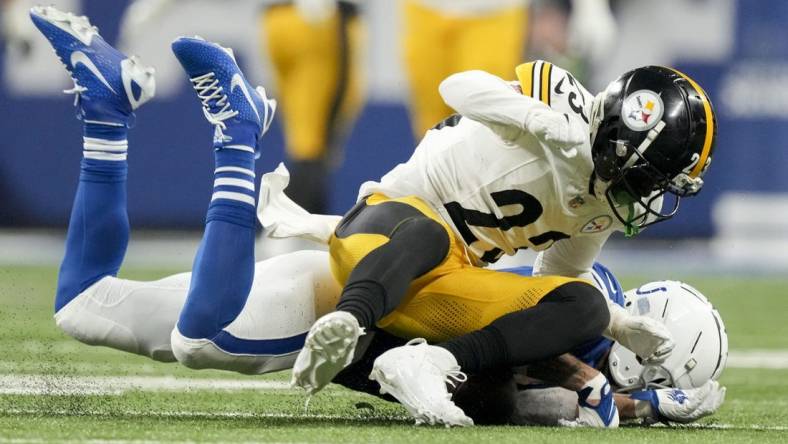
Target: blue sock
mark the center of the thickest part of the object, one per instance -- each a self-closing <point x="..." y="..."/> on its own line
<point x="224" y="266"/>
<point x="98" y="231"/>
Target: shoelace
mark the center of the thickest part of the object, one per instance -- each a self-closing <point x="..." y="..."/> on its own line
<point x="452" y="376"/>
<point x="208" y="89"/>
<point x="77" y="90"/>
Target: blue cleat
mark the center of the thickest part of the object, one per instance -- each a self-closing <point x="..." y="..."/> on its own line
<point x="240" y="113"/>
<point x="108" y="85"/>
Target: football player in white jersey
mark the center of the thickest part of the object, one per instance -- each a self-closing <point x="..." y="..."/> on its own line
<point x="539" y="163"/>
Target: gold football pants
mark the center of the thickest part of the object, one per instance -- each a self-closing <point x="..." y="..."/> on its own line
<point x="436" y="45"/>
<point x="316" y="70"/>
<point x="452" y="298"/>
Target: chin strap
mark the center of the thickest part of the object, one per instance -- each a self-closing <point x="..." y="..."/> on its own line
<point x="631" y="230"/>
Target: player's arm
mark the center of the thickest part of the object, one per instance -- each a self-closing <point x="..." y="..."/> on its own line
<point x="573" y="257"/>
<point x="555" y="406"/>
<point x="505" y="109"/>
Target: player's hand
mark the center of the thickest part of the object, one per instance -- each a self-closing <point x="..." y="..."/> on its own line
<point x="554" y="128"/>
<point x="684" y="406"/>
<point x="649" y="339"/>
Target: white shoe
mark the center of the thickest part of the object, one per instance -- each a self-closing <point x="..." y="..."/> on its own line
<point x="328" y="348"/>
<point x="416" y="374"/>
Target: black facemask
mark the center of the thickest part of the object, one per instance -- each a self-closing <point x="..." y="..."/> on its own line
<point x="637" y="189"/>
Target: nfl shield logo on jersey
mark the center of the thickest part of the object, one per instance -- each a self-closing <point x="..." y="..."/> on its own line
<point x="597" y="224"/>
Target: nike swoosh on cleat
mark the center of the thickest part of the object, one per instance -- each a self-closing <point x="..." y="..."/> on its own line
<point x="238" y="81"/>
<point x="79" y="57"/>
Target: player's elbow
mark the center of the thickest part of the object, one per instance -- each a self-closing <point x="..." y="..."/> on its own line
<point x="455" y="89"/>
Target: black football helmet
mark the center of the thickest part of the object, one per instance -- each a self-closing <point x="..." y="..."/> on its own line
<point x="652" y="132"/>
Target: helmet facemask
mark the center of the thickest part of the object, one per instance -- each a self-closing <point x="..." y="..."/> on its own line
<point x="639" y="191"/>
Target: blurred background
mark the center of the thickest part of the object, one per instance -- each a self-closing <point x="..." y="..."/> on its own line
<point x="356" y="83"/>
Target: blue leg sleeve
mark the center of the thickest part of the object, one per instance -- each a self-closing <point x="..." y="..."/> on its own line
<point x="98" y="231"/>
<point x="224" y="266"/>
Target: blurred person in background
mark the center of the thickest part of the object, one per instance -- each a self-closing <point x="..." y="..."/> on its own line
<point x="576" y="34"/>
<point x="442" y="37"/>
<point x="314" y="49"/>
<point x="15" y="29"/>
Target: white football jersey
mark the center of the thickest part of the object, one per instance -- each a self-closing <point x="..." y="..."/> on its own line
<point x="512" y="170"/>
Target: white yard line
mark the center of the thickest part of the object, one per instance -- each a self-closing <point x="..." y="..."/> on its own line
<point x="716" y="426"/>
<point x="116" y="385"/>
<point x="38" y="384"/>
<point x="121" y="441"/>
<point x="769" y="359"/>
<point x="198" y="414"/>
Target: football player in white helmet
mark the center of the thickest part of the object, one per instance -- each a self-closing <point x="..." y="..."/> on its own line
<point x="682" y="389"/>
<point x="700" y="355"/>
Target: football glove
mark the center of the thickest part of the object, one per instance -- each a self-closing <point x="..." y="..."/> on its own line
<point x="554" y="128"/>
<point x="649" y="339"/>
<point x="683" y="406"/>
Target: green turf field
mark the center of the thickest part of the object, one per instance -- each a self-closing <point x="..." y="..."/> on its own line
<point x="36" y="356"/>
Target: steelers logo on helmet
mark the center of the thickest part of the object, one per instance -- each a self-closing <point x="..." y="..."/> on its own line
<point x="642" y="110"/>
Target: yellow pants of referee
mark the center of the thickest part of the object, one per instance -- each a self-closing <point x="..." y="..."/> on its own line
<point x="436" y="45"/>
<point x="451" y="299"/>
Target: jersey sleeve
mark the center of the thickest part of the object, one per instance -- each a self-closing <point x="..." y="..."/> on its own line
<point x="488" y="99"/>
<point x="535" y="79"/>
<point x="571" y="257"/>
<point x="555" y="87"/>
<point x="502" y="107"/>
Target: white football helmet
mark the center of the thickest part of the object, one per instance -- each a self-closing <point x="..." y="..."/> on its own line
<point x="701" y="341"/>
